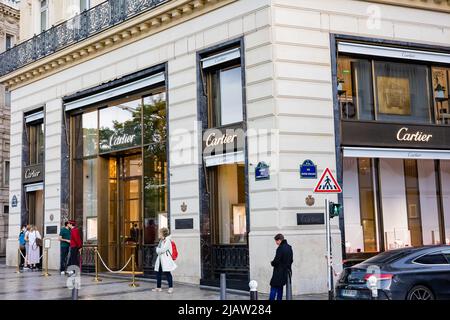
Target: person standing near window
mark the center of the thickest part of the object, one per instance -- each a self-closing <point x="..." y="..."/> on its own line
<point x="75" y="244"/>
<point x="164" y="262"/>
<point x="34" y="248"/>
<point x="281" y="267"/>
<point x="22" y="244"/>
<point x="64" y="238"/>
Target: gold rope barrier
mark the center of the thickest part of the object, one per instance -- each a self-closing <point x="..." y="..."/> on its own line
<point x="96" y="279"/>
<point x="18" y="260"/>
<point x="45" y="273"/>
<point x="133" y="283"/>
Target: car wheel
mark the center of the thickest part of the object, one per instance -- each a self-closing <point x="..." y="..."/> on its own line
<point x="420" y="293"/>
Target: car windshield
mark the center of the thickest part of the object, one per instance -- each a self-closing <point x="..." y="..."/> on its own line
<point x="387" y="256"/>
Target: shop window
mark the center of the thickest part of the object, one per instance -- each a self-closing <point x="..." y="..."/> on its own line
<point x="120" y="125"/>
<point x="35" y="137"/>
<point x="119" y="174"/>
<point x="384" y="91"/>
<point x="441" y="82"/>
<point x="394" y="203"/>
<point x="228" y="204"/>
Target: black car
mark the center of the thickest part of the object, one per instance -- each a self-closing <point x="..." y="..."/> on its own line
<point x="402" y="274"/>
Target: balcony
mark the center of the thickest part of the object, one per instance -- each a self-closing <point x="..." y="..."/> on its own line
<point x="87" y="24"/>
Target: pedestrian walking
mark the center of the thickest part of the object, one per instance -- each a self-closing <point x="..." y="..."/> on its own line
<point x="64" y="239"/>
<point x="281" y="267"/>
<point x="34" y="238"/>
<point x="22" y="244"/>
<point x="75" y="244"/>
<point x="165" y="260"/>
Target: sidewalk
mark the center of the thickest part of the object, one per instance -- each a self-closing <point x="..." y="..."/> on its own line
<point x="30" y="285"/>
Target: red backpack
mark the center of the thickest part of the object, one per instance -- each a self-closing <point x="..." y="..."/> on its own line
<point x="174" y="251"/>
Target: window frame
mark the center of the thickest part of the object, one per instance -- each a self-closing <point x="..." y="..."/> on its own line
<point x="43" y="9"/>
<point x="213" y="71"/>
<point x="9" y="39"/>
<point x="429" y="65"/>
<point x="6" y="172"/>
<point x="87" y="3"/>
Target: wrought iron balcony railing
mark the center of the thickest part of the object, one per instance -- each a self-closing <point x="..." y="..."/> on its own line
<point x="80" y="27"/>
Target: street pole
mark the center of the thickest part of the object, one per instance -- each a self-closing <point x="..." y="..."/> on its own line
<point x="328" y="240"/>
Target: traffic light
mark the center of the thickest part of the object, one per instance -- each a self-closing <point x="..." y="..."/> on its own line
<point x="334" y="209"/>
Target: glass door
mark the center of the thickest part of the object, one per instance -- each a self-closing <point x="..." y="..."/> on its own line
<point x="130" y="210"/>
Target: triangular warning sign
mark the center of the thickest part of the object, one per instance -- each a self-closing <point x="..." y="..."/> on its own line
<point x="327" y="183"/>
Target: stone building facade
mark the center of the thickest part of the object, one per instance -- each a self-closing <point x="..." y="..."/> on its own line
<point x="276" y="67"/>
<point x="9" y="35"/>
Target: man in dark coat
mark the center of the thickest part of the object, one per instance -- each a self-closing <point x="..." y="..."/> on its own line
<point x="281" y="267"/>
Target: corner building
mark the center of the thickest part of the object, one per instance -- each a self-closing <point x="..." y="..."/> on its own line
<point x="144" y="114"/>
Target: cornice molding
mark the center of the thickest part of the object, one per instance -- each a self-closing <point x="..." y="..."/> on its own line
<point x="144" y="25"/>
<point x="8" y="11"/>
<point x="432" y="5"/>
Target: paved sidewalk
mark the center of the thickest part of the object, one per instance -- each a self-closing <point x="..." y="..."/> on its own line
<point x="29" y="285"/>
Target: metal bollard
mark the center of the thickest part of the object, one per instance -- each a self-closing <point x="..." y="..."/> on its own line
<point x="133" y="283"/>
<point x="74" y="294"/>
<point x="253" y="290"/>
<point x="223" y="286"/>
<point x="289" y="287"/>
<point x="45" y="272"/>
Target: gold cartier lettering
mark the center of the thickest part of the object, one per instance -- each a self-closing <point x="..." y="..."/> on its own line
<point x="403" y="135"/>
<point x="212" y="141"/>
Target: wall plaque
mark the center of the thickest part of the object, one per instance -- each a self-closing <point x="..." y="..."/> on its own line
<point x="51" y="230"/>
<point x="181" y="224"/>
<point x="310" y="218"/>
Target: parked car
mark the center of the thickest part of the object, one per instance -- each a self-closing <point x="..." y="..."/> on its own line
<point x="402" y="274"/>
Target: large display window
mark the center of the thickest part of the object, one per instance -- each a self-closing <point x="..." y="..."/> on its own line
<point x="119" y="175"/>
<point x="393" y="203"/>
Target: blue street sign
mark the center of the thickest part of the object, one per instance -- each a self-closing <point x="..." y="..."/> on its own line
<point x="262" y="171"/>
<point x="308" y="170"/>
<point x="14" y="201"/>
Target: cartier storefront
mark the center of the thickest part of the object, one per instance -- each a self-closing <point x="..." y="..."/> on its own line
<point x="118" y="168"/>
<point x="395" y="144"/>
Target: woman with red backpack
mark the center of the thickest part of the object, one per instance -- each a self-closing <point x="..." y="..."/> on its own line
<point x="165" y="262"/>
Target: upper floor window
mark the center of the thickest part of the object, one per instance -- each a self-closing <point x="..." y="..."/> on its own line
<point x="6" y="174"/>
<point x="9" y="41"/>
<point x="384" y="90"/>
<point x="223" y="75"/>
<point x="84" y="5"/>
<point x="44" y="15"/>
<point x="8" y="98"/>
<point x="35" y="137"/>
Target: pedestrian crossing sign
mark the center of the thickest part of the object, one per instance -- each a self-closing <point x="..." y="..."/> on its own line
<point x="327" y="183"/>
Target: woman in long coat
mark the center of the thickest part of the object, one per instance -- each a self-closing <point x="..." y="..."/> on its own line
<point x="33" y="247"/>
<point x="164" y="262"/>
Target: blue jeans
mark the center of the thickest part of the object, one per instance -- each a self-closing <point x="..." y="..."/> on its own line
<point x="159" y="278"/>
<point x="276" y="293"/>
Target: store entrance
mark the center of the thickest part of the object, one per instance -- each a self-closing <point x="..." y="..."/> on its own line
<point x="125" y="209"/>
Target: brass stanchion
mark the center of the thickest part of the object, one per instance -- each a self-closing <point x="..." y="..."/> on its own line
<point x="18" y="261"/>
<point x="133" y="284"/>
<point x="96" y="279"/>
<point x="46" y="274"/>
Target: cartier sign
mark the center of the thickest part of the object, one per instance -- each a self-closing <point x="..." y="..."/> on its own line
<point x="404" y="135"/>
<point x="33" y="173"/>
<point x="379" y="134"/>
<point x="117" y="141"/>
<point x="223" y="140"/>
